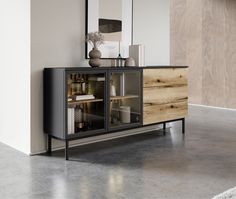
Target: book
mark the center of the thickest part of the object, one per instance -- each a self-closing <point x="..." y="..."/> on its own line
<point x="71" y="120"/>
<point x="137" y="52"/>
<point x="98" y="79"/>
<point x="84" y="97"/>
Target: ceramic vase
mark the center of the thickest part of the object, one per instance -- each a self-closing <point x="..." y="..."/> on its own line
<point x="95" y="56"/>
<point x="130" y="61"/>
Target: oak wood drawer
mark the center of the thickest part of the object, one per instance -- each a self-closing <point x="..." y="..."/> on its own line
<point x="165" y="95"/>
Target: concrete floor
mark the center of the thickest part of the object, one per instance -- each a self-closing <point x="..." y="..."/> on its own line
<point x="145" y="166"/>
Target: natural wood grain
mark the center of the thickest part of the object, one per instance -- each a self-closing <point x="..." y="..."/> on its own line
<point x="154" y="113"/>
<point x="193" y="29"/>
<point x="165" y="77"/>
<point x="214" y="51"/>
<point x="207" y="31"/>
<point x="165" y="94"/>
<point x="230" y="80"/>
<point x="177" y="27"/>
<point x="124" y="97"/>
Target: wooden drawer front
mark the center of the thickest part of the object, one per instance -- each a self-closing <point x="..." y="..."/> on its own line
<point x="165" y="95"/>
<point x="165" y="77"/>
<point x="158" y="113"/>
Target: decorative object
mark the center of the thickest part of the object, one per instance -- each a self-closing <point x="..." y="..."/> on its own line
<point x="79" y="121"/>
<point x="229" y="194"/>
<point x="112" y="89"/>
<point x="125" y="114"/>
<point x="114" y="20"/>
<point x="77" y="85"/>
<point x="119" y="61"/>
<point x="95" y="56"/>
<point x="122" y="84"/>
<point x="138" y="54"/>
<point x="95" y="39"/>
<point x="130" y="61"/>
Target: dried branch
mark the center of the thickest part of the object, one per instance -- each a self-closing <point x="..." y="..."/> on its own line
<point x="95" y="39"/>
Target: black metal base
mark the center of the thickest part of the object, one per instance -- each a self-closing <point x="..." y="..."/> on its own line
<point x="164" y="128"/>
<point x="67" y="150"/>
<point x="49" y="147"/>
<point x="49" y="150"/>
<point x="183" y="126"/>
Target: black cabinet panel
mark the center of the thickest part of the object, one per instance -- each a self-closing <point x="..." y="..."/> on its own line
<point x="54" y="103"/>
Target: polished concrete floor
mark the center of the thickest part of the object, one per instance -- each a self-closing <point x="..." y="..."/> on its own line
<point x="199" y="165"/>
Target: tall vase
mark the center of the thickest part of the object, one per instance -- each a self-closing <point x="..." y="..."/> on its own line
<point x="95" y="56"/>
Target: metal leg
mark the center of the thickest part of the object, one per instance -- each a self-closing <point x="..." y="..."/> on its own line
<point x="49" y="151"/>
<point x="164" y="128"/>
<point x="66" y="150"/>
<point x="183" y="125"/>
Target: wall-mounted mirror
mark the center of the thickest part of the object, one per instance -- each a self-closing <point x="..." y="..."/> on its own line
<point x="113" y="18"/>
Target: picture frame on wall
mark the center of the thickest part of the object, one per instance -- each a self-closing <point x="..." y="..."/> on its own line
<point x="114" y="19"/>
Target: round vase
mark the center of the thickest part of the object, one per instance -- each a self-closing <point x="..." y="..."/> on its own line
<point x="95" y="56"/>
<point x="130" y="61"/>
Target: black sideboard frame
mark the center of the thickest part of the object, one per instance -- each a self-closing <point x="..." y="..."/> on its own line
<point x="50" y="79"/>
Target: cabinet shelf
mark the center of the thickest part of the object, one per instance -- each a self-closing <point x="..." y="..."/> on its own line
<point x="71" y="103"/>
<point x="123" y="97"/>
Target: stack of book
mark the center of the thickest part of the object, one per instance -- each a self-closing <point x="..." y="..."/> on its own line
<point x="98" y="79"/>
<point x="71" y="121"/>
<point x="84" y="97"/>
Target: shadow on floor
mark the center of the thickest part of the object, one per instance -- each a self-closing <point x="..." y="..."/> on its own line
<point x="127" y="151"/>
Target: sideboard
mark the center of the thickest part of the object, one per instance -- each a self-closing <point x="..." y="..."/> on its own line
<point x="81" y="102"/>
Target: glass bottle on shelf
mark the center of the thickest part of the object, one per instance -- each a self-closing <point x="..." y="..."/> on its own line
<point x="79" y="119"/>
<point x="85" y="120"/>
<point x="76" y="86"/>
<point x="112" y="89"/>
<point x="119" y="61"/>
<point x="83" y="84"/>
<point x="69" y="89"/>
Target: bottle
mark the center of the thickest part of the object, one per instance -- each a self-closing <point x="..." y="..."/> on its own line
<point x="83" y="84"/>
<point x="119" y="61"/>
<point x="76" y="86"/>
<point x="79" y="118"/>
<point x="112" y="89"/>
<point x="69" y="82"/>
<point x="80" y="86"/>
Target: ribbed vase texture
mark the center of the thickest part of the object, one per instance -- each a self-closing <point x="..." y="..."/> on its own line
<point x="95" y="56"/>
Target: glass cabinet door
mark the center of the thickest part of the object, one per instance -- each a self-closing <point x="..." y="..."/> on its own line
<point x="125" y="99"/>
<point x="85" y="103"/>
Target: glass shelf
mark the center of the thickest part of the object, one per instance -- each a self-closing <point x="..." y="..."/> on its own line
<point x="85" y="102"/>
<point x="125" y="100"/>
<point x="74" y="103"/>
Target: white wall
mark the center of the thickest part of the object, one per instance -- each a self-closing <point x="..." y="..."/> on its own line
<point x="57" y="31"/>
<point x="152" y="28"/>
<point x="15" y="74"/>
